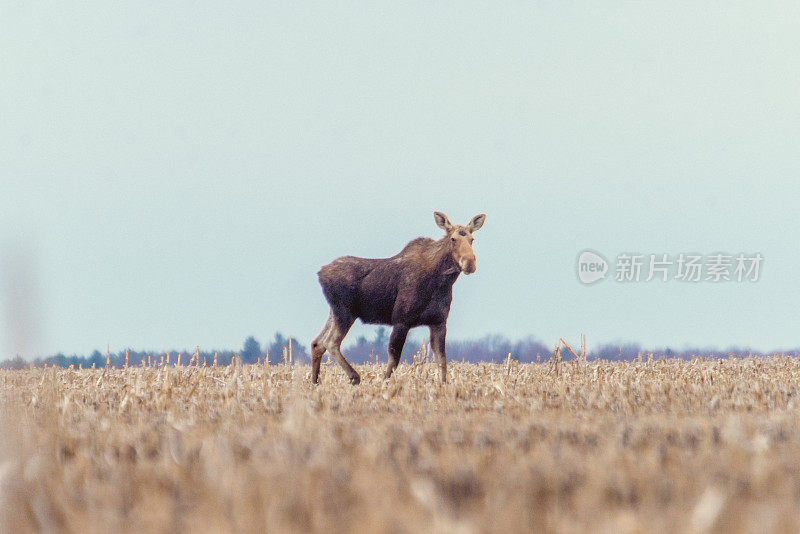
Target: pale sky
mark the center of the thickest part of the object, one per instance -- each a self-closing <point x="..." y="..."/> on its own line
<point x="175" y="175"/>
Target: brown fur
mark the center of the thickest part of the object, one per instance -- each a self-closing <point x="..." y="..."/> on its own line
<point x="412" y="288"/>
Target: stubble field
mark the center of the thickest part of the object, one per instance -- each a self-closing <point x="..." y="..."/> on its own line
<point x="655" y="446"/>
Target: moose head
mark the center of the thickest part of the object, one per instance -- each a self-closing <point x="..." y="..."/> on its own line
<point x="460" y="239"/>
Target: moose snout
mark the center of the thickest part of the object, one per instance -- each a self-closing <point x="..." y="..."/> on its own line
<point x="468" y="265"/>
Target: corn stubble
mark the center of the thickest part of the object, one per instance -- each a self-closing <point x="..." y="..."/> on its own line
<point x="665" y="445"/>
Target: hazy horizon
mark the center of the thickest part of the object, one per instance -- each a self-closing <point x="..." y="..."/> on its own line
<point x="175" y="175"/>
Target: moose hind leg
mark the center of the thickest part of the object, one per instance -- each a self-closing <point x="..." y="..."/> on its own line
<point x="318" y="349"/>
<point x="396" y="342"/>
<point x="338" y="331"/>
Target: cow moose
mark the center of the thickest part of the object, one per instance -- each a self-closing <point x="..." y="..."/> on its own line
<point x="412" y="288"/>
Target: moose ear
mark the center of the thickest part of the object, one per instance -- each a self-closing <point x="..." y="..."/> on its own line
<point x="476" y="222"/>
<point x="442" y="221"/>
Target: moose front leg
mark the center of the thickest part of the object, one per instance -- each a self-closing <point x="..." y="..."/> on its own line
<point x="438" y="335"/>
<point x="396" y="342"/>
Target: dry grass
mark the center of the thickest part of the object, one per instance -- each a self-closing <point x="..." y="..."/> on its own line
<point x="658" y="446"/>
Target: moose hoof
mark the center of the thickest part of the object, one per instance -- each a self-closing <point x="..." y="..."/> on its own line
<point x="355" y="380"/>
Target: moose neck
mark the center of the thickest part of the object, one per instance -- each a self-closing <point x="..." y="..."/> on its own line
<point x="445" y="265"/>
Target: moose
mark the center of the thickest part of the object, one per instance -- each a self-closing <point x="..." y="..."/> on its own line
<point x="411" y="288"/>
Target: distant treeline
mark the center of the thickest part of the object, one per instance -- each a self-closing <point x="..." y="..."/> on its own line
<point x="490" y="348"/>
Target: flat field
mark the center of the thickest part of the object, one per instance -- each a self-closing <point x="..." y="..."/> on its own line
<point x="649" y="446"/>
